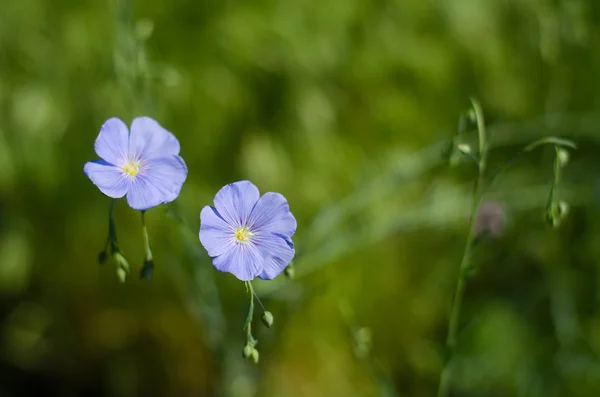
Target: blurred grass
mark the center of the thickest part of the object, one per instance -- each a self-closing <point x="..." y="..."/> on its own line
<point x="345" y="107"/>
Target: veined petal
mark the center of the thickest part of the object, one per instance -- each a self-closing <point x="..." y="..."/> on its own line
<point x="271" y="214"/>
<point x="235" y="202"/>
<point x="113" y="141"/>
<point x="242" y="260"/>
<point x="109" y="179"/>
<point x="215" y="234"/>
<point x="277" y="252"/>
<point x="159" y="182"/>
<point x="167" y="173"/>
<point x="149" y="139"/>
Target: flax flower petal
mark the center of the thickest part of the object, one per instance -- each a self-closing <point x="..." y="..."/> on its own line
<point x="272" y="214"/>
<point x="243" y="261"/>
<point x="277" y="251"/>
<point x="108" y="178"/>
<point x="112" y="142"/>
<point x="216" y="235"/>
<point x="149" y="139"/>
<point x="159" y="182"/>
<point x="235" y="202"/>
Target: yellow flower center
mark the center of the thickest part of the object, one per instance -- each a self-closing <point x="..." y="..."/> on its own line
<point x="132" y="167"/>
<point x="243" y="235"/>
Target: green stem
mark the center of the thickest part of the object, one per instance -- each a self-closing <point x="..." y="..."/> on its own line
<point x="482" y="137"/>
<point x="557" y="167"/>
<point x="559" y="143"/>
<point x="112" y="230"/>
<point x="248" y="323"/>
<point x="465" y="263"/>
<point x="148" y="268"/>
<point x="250" y="291"/>
<point x="147" y="248"/>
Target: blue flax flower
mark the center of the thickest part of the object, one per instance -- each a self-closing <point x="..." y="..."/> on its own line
<point x="248" y="235"/>
<point x="144" y="165"/>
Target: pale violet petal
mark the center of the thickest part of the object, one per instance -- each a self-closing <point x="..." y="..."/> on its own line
<point x="113" y="141"/>
<point x="277" y="252"/>
<point x="235" y="202"/>
<point x="243" y="261"/>
<point x="271" y="214"/>
<point x="216" y="235"/>
<point x="142" y="195"/>
<point x="159" y="181"/>
<point x="109" y="179"/>
<point x="149" y="139"/>
<point x="166" y="173"/>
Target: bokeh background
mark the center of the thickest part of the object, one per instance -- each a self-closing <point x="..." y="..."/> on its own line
<point x="347" y="107"/>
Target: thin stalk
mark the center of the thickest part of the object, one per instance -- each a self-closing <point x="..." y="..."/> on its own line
<point x="147" y="248"/>
<point x="259" y="301"/>
<point x="112" y="230"/>
<point x="248" y="322"/>
<point x="465" y="263"/>
<point x="148" y="267"/>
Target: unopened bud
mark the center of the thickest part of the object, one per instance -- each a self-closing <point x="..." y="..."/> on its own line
<point x="563" y="208"/>
<point x="121" y="274"/>
<point x="490" y="220"/>
<point x="472" y="116"/>
<point x="102" y="257"/>
<point x="121" y="261"/>
<point x="464" y="148"/>
<point x="289" y="271"/>
<point x="556" y="212"/>
<point x="147" y="270"/>
<point x="255" y="356"/>
<point x="267" y="319"/>
<point x="363" y="335"/>
<point x="563" y="157"/>
<point x="362" y="339"/>
<point x="144" y="28"/>
<point x="248" y="349"/>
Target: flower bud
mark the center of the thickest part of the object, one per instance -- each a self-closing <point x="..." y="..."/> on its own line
<point x="121" y="274"/>
<point x="364" y="335"/>
<point x="472" y="116"/>
<point x="563" y="208"/>
<point x="362" y="342"/>
<point x="289" y="271"/>
<point x="147" y="270"/>
<point x="248" y="349"/>
<point x="562" y="157"/>
<point x="267" y="319"/>
<point x="464" y="148"/>
<point x="490" y="220"/>
<point x="102" y="257"/>
<point x="121" y="261"/>
<point x="255" y="356"/>
<point x="556" y="212"/>
<point x="144" y="29"/>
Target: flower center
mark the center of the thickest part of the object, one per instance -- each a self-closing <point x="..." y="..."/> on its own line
<point x="242" y="234"/>
<point x="132" y="167"/>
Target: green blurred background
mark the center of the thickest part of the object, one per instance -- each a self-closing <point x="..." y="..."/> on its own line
<point x="346" y="107"/>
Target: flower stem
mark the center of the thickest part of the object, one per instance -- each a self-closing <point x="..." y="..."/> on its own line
<point x="465" y="263"/>
<point x="146" y="273"/>
<point x="248" y="322"/>
<point x="110" y="246"/>
<point x="251" y="307"/>
<point x="112" y="230"/>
